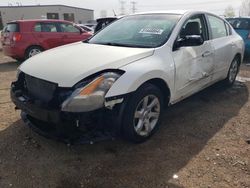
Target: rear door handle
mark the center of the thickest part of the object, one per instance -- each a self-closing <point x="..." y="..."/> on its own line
<point x="206" y="54"/>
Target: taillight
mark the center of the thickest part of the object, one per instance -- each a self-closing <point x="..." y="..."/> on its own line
<point x="17" y="37"/>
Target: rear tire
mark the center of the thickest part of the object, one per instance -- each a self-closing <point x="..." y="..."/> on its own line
<point x="143" y="114"/>
<point x="32" y="51"/>
<point x="232" y="72"/>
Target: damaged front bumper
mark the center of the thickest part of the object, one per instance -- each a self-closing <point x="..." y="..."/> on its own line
<point x="73" y="128"/>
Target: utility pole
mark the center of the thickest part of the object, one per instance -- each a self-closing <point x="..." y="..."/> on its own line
<point x="134" y="6"/>
<point x="122" y="3"/>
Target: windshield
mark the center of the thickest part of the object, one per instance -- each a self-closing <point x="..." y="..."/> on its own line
<point x="145" y="31"/>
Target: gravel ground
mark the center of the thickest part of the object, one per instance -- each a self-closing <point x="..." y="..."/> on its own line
<point x="202" y="143"/>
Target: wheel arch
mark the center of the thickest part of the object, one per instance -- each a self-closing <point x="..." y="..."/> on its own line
<point x="239" y="56"/>
<point x="162" y="85"/>
<point x="33" y="45"/>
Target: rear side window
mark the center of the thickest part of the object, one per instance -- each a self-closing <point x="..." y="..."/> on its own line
<point x="240" y="23"/>
<point x="218" y="27"/>
<point x="12" y="27"/>
<point x="45" y="27"/>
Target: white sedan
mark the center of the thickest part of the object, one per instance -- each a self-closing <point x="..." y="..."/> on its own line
<point x="124" y="75"/>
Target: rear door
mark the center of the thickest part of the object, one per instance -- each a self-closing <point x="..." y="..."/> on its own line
<point x="47" y="34"/>
<point x="223" y="44"/>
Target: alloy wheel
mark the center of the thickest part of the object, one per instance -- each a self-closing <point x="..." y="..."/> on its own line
<point x="147" y="115"/>
<point x="34" y="52"/>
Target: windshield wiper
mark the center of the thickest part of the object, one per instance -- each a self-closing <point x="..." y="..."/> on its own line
<point x="110" y="44"/>
<point x="122" y="45"/>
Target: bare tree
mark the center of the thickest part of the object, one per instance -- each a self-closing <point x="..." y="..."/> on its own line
<point x="245" y="8"/>
<point x="229" y="12"/>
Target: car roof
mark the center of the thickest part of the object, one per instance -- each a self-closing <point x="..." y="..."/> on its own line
<point x="180" y="12"/>
<point x="165" y="12"/>
<point x="39" y="20"/>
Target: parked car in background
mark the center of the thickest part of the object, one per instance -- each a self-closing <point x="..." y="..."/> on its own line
<point x="23" y="39"/>
<point x="86" y="28"/>
<point x="126" y="73"/>
<point x="91" y="25"/>
<point x="242" y="27"/>
<point x="103" y="22"/>
<point x="1" y="33"/>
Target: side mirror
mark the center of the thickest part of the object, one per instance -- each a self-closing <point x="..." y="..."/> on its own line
<point x="189" y="40"/>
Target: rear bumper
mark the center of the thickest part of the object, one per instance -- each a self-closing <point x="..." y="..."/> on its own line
<point x="14" y="50"/>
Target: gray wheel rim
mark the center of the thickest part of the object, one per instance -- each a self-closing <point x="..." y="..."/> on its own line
<point x="34" y="52"/>
<point x="233" y="71"/>
<point x="146" y="115"/>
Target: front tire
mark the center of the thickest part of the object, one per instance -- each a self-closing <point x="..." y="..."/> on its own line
<point x="143" y="114"/>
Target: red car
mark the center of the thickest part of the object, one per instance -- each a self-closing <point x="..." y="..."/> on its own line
<point x="25" y="38"/>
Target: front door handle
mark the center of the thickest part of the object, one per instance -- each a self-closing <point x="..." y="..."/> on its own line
<point x="206" y="54"/>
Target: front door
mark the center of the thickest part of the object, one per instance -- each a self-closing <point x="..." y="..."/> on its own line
<point x="70" y="33"/>
<point x="194" y="64"/>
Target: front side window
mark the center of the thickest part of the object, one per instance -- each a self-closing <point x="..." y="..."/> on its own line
<point x="195" y="26"/>
<point x="218" y="27"/>
<point x="69" y="28"/>
<point x="45" y="27"/>
<point x="145" y="31"/>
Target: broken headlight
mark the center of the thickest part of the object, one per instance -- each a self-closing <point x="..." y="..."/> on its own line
<point x="91" y="96"/>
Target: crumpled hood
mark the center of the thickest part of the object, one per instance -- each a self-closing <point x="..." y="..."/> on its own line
<point x="67" y="65"/>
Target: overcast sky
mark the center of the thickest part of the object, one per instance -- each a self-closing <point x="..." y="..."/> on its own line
<point x="216" y="6"/>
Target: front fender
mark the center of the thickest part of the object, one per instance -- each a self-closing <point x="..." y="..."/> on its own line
<point x="140" y="72"/>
